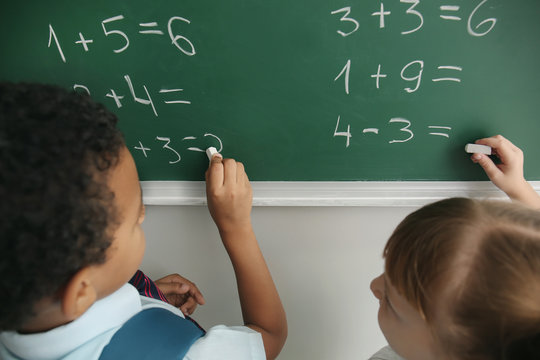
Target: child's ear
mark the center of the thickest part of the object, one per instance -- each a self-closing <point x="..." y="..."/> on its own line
<point x="79" y="294"/>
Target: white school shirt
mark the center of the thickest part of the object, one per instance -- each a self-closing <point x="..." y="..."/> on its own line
<point x="386" y="353"/>
<point x="85" y="337"/>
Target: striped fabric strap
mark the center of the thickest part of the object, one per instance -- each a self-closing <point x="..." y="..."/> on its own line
<point x="146" y="287"/>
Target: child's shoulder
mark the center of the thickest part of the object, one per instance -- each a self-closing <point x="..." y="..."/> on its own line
<point x="124" y="323"/>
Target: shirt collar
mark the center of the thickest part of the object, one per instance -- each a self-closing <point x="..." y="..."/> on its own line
<point x="105" y="314"/>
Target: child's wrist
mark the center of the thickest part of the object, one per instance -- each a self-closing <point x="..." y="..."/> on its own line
<point x="525" y="194"/>
<point x="235" y="230"/>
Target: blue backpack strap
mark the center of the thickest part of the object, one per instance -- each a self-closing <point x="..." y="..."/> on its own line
<point x="152" y="334"/>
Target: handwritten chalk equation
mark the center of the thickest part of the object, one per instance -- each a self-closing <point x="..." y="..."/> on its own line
<point x="448" y="12"/>
<point x="411" y="72"/>
<point x="402" y="127"/>
<point x="168" y="96"/>
<point x="112" y="29"/>
<point x="189" y="143"/>
<point x="133" y="90"/>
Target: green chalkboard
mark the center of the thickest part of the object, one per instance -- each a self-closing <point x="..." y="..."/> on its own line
<point x="297" y="90"/>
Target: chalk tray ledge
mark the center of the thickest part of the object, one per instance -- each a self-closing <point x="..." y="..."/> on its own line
<point x="334" y="193"/>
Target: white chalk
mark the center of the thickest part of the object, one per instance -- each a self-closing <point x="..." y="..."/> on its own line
<point x="211" y="151"/>
<point x="478" y="149"/>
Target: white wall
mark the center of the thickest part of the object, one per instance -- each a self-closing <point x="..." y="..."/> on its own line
<point x="322" y="260"/>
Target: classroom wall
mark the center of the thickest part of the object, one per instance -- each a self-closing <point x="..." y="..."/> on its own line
<point x="322" y="260"/>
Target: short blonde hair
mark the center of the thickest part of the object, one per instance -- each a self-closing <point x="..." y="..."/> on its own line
<point x="489" y="252"/>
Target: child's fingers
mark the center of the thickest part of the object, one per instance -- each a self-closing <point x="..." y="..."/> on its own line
<point x="214" y="174"/>
<point x="240" y="172"/>
<point x="493" y="141"/>
<point x="189" y="306"/>
<point x="242" y="177"/>
<point x="174" y="288"/>
<point x="510" y="155"/>
<point x="229" y="168"/>
<point x="189" y="289"/>
<point x="217" y="158"/>
<point x="499" y="141"/>
<point x="504" y="149"/>
<point x="492" y="171"/>
<point x="175" y="284"/>
<point x="196" y="294"/>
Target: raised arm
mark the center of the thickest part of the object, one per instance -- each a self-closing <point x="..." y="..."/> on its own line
<point x="508" y="175"/>
<point x="229" y="201"/>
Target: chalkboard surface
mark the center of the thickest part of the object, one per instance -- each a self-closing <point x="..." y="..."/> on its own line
<point x="297" y="90"/>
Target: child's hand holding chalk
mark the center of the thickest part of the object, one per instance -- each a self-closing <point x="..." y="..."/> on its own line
<point x="511" y="167"/>
<point x="211" y="151"/>
<point x="228" y="193"/>
<point x="508" y="175"/>
<point x="229" y="196"/>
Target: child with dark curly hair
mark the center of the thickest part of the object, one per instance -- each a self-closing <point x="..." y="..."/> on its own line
<point x="70" y="240"/>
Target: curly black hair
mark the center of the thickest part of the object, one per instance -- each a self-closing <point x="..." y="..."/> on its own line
<point x="56" y="212"/>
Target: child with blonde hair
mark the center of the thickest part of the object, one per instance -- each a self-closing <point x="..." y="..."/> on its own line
<point x="462" y="276"/>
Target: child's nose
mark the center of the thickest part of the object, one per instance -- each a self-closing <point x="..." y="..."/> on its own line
<point x="376" y="287"/>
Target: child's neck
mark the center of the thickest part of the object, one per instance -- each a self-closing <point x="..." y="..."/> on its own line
<point x="49" y="316"/>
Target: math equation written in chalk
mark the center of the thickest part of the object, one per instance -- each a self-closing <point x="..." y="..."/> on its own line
<point x="409" y="78"/>
<point x="412" y="71"/>
<point x="139" y="94"/>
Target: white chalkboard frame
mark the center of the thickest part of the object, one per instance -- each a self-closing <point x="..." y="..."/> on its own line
<point x="312" y="193"/>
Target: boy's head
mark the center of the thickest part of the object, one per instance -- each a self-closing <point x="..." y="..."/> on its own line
<point x="70" y="202"/>
<point x="462" y="281"/>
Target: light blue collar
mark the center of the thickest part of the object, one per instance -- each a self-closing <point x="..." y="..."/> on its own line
<point x="104" y="315"/>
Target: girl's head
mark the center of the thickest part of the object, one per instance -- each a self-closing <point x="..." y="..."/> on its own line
<point x="462" y="281"/>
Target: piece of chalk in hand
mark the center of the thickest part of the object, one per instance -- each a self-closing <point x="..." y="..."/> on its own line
<point x="478" y="149"/>
<point x="211" y="151"/>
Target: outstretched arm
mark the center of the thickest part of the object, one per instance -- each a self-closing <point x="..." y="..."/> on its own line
<point x="229" y="201"/>
<point x="508" y="175"/>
